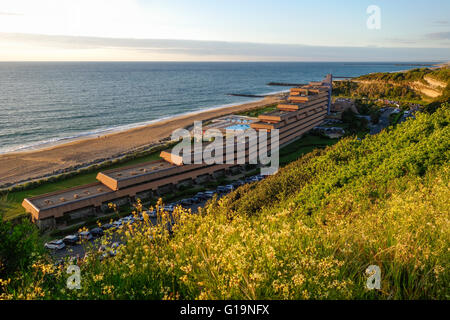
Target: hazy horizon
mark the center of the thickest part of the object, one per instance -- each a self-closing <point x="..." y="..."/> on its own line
<point x="198" y="30"/>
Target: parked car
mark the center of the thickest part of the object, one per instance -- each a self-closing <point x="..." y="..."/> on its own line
<point x="55" y="245"/>
<point x="128" y="219"/>
<point x="186" y="202"/>
<point x="238" y="183"/>
<point x="229" y="187"/>
<point x="85" y="235"/>
<point x="114" y="248"/>
<point x="117" y="224"/>
<point x="210" y="194"/>
<point x="151" y="213"/>
<point x="107" y="226"/>
<point x="108" y="251"/>
<point x="201" y="195"/>
<point x="97" y="232"/>
<point x="222" y="189"/>
<point x="259" y="177"/>
<point x="169" y="208"/>
<point x="256" y="178"/>
<point x="249" y="180"/>
<point x="105" y="254"/>
<point x="71" y="239"/>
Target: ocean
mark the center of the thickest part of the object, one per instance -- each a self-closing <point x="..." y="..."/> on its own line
<point x="46" y="103"/>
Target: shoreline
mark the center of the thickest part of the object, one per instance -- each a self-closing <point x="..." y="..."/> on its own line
<point x="97" y="133"/>
<point x="20" y="167"/>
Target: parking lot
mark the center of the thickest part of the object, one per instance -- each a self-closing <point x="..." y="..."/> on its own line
<point x="70" y="245"/>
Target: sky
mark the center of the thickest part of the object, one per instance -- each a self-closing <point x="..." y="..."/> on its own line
<point x="224" y="30"/>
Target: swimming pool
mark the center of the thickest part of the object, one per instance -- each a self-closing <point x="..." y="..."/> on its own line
<point x="238" y="127"/>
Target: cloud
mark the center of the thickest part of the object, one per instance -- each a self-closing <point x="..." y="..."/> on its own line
<point x="402" y="41"/>
<point x="58" y="47"/>
<point x="442" y="22"/>
<point x="438" y="36"/>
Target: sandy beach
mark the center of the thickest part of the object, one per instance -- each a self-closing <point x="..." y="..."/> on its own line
<point x="29" y="165"/>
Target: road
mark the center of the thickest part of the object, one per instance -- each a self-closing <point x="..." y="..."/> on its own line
<point x="79" y="250"/>
<point x="382" y="123"/>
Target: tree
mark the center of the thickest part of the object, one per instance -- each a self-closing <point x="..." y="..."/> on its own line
<point x="19" y="245"/>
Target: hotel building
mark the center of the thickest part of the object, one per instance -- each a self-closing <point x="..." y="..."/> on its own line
<point x="305" y="108"/>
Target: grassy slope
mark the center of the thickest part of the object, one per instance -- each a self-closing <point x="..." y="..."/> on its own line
<point x="308" y="232"/>
<point x="257" y="112"/>
<point x="395" y="85"/>
<point x="306" y="144"/>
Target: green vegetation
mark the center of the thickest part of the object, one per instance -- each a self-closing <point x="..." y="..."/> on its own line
<point x="408" y="76"/>
<point x="308" y="232"/>
<point x="394" y="118"/>
<point x="356" y="125"/>
<point x="397" y="85"/>
<point x="353" y="89"/>
<point x="19" y="246"/>
<point x="306" y="144"/>
<point x="256" y="112"/>
<point x="442" y="74"/>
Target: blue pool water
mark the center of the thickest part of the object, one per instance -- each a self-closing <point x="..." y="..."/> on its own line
<point x="238" y="127"/>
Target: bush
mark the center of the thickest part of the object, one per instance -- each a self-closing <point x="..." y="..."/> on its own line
<point x="19" y="246"/>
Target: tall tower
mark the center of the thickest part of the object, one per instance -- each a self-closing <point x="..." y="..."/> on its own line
<point x="329" y="81"/>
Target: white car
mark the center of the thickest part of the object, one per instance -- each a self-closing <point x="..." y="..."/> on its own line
<point x="210" y="194"/>
<point x="128" y="219"/>
<point x="85" y="235"/>
<point x="117" y="224"/>
<point x="55" y="245"/>
<point x="71" y="239"/>
<point x="229" y="187"/>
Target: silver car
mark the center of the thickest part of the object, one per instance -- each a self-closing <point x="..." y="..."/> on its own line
<point x="85" y="235"/>
<point x="55" y="245"/>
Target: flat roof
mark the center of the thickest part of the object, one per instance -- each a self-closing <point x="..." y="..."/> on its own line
<point x="138" y="170"/>
<point x="67" y="196"/>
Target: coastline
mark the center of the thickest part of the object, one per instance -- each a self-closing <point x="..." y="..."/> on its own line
<point x="19" y="167"/>
<point x="96" y="133"/>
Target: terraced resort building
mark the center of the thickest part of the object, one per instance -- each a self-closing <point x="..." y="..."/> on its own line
<point x="305" y="108"/>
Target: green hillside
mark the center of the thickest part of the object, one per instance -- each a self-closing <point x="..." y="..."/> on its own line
<point x="308" y="232"/>
<point x="417" y="85"/>
<point x="442" y="74"/>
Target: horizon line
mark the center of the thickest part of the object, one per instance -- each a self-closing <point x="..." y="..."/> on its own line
<point x="431" y="62"/>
